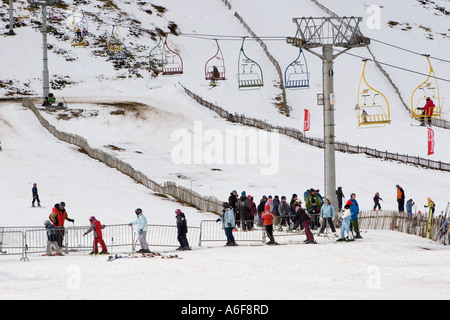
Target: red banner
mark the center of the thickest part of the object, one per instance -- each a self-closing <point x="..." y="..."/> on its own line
<point x="307" y="121"/>
<point x="430" y="141"/>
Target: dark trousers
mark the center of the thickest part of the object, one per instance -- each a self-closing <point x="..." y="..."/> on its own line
<point x="354" y="225"/>
<point x="401" y="205"/>
<point x="182" y="239"/>
<point x="324" y="225"/>
<point x="269" y="232"/>
<point x="308" y="232"/>
<point x="36" y="198"/>
<point x="59" y="236"/>
<point x="229" y="234"/>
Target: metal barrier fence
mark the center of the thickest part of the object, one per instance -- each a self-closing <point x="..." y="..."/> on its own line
<point x="25" y="240"/>
<point x="213" y="231"/>
<point x="12" y="243"/>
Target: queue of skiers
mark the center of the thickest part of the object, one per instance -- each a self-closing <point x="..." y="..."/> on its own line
<point x="275" y="212"/>
<point x="242" y="212"/>
<point x="55" y="231"/>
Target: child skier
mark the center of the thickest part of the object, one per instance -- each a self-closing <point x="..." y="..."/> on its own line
<point x="51" y="238"/>
<point x="267" y="218"/>
<point x="98" y="237"/>
<point x="346" y="217"/>
<point x="376" y="201"/>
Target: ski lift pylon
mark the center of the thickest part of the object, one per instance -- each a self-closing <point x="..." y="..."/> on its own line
<point x="116" y="49"/>
<point x="372" y="108"/>
<point x="250" y="74"/>
<point x="172" y="64"/>
<point x="427" y="89"/>
<point x="296" y="75"/>
<point x="215" y="66"/>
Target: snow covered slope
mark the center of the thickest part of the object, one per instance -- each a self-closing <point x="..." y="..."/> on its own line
<point x="121" y="108"/>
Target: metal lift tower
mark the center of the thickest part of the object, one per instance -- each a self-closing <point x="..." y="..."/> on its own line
<point x="327" y="33"/>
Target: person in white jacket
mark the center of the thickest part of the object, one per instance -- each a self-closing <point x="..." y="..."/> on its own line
<point x="346" y="217"/>
<point x="141" y="222"/>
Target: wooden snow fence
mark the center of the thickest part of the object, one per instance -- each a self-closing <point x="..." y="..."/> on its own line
<point x="183" y="195"/>
<point x="416" y="224"/>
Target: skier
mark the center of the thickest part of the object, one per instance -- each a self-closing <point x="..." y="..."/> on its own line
<point x="182" y="230"/>
<point x="244" y="207"/>
<point x="51" y="239"/>
<point x="430" y="204"/>
<point x="427" y="111"/>
<point x="327" y="214"/>
<point x="354" y="208"/>
<point x="276" y="212"/>
<point x="233" y="201"/>
<point x="313" y="205"/>
<point x="58" y="217"/>
<point x="400" y="198"/>
<point x="141" y="222"/>
<point x="376" y="201"/>
<point x="302" y="217"/>
<point x="284" y="211"/>
<point x="215" y="73"/>
<point x="228" y="223"/>
<point x="409" y="204"/>
<point x="267" y="218"/>
<point x="97" y="227"/>
<point x="346" y="217"/>
<point x="252" y="211"/>
<point x="35" y="194"/>
<point x="340" y="196"/>
<point x="260" y="209"/>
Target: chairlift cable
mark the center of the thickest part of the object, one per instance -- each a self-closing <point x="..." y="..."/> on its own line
<point x="408" y="50"/>
<point x="392" y="66"/>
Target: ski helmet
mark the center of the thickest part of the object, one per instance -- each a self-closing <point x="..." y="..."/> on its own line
<point x="91" y="219"/>
<point x="138" y="211"/>
<point x="177" y="212"/>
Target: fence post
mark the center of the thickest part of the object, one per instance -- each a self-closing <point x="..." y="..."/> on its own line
<point x="24" y="248"/>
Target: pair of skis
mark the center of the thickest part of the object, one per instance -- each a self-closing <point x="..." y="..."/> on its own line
<point x="143" y="255"/>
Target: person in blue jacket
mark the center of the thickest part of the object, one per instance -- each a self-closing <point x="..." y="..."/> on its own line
<point x="141" y="223"/>
<point x="354" y="208"/>
<point x="327" y="214"/>
<point x="228" y="223"/>
<point x="182" y="230"/>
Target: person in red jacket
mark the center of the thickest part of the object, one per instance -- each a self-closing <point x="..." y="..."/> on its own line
<point x="427" y="111"/>
<point x="267" y="218"/>
<point x="97" y="227"/>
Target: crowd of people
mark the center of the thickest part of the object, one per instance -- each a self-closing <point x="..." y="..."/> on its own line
<point x="318" y="212"/>
<point x="242" y="212"/>
<point x="275" y="212"/>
